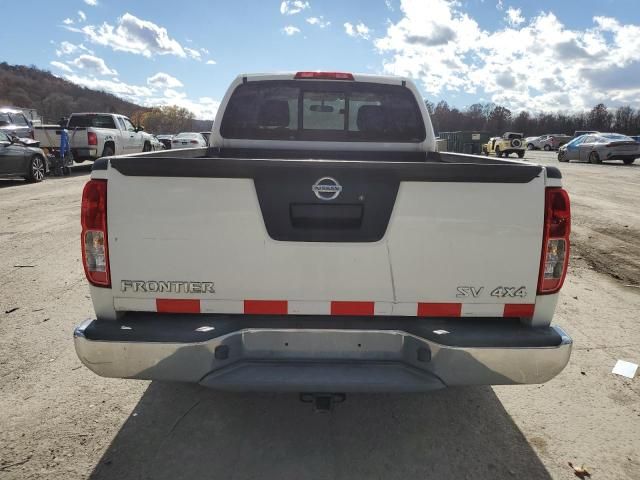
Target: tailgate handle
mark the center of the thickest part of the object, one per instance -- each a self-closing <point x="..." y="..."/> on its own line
<point x="319" y="216"/>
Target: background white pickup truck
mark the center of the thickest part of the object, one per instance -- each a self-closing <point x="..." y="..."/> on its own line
<point x="95" y="135"/>
<point x="323" y="245"/>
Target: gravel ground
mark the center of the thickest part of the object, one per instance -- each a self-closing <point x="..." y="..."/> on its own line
<point x="58" y="420"/>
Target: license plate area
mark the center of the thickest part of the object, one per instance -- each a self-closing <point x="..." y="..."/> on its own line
<point x="340" y="216"/>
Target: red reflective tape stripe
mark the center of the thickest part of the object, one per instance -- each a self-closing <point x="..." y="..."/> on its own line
<point x="266" y="307"/>
<point x="439" y="309"/>
<point x="352" y="308"/>
<point x="519" y="309"/>
<point x="177" y="305"/>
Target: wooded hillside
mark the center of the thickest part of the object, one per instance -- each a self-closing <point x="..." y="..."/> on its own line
<point x="53" y="98"/>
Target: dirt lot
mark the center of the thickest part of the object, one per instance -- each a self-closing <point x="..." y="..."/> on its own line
<point x="58" y="420"/>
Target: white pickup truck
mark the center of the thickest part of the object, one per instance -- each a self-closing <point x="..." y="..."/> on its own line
<point x="95" y="135"/>
<point x="321" y="244"/>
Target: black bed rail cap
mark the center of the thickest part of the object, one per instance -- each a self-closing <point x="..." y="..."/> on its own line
<point x="100" y="164"/>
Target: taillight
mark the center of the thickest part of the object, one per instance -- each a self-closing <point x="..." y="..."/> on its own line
<point x="555" y="241"/>
<point x="193" y="141"/>
<point x="324" y="75"/>
<point x="32" y="135"/>
<point x="92" y="138"/>
<point x="95" y="247"/>
<point x="176" y="141"/>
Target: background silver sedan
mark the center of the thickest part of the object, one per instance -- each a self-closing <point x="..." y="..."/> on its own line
<point x="599" y="147"/>
<point x="188" y="140"/>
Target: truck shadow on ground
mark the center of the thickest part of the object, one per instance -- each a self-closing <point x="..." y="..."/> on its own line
<point x="186" y="431"/>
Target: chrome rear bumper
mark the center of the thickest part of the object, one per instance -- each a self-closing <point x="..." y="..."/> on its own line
<point x="320" y="359"/>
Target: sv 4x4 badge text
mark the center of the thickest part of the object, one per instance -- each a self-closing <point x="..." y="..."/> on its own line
<point x="499" y="292"/>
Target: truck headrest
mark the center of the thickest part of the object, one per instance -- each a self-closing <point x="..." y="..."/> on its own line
<point x="370" y="118"/>
<point x="274" y="113"/>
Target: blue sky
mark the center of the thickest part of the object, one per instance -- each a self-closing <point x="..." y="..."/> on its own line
<point x="536" y="55"/>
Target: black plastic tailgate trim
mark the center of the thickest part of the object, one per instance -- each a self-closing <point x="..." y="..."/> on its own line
<point x="182" y="328"/>
<point x="215" y="167"/>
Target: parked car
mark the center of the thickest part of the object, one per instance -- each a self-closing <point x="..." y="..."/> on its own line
<point x="156" y="144"/>
<point x="547" y="142"/>
<point x="95" y="135"/>
<point x="166" y="140"/>
<point x="188" y="140"/>
<point x="14" y="122"/>
<point x="598" y="147"/>
<point x="17" y="159"/>
<point x="311" y="260"/>
<point x="490" y="145"/>
<point x="507" y="144"/>
<point x="206" y="136"/>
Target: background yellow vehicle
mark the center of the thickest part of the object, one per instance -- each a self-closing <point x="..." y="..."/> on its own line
<point x="509" y="143"/>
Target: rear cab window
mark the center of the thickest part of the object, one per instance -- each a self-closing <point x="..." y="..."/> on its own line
<point x="338" y="111"/>
<point x="95" y="121"/>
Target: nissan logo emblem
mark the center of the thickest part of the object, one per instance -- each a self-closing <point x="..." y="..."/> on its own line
<point x="327" y="188"/>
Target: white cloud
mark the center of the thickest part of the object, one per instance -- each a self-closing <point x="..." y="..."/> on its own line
<point x="94" y="65"/>
<point x="204" y="108"/>
<point x="389" y="5"/>
<point x="211" y="62"/>
<point x="91" y="3"/>
<point x="68" y="21"/>
<point x="358" y="30"/>
<point x="500" y="5"/>
<point x="540" y="64"/>
<point x="514" y="16"/>
<point x="163" y="80"/>
<point x="174" y="94"/>
<point x="82" y="15"/>
<point x="204" y="50"/>
<point x="134" y="35"/>
<point x="290" y="30"/>
<point x="61" y="66"/>
<point x="130" y="92"/>
<point x="158" y="94"/>
<point x="319" y="21"/>
<point x="193" y="53"/>
<point x="291" y="7"/>
<point x="68" y="48"/>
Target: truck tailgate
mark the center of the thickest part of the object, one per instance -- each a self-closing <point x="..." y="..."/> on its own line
<point x="262" y="236"/>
